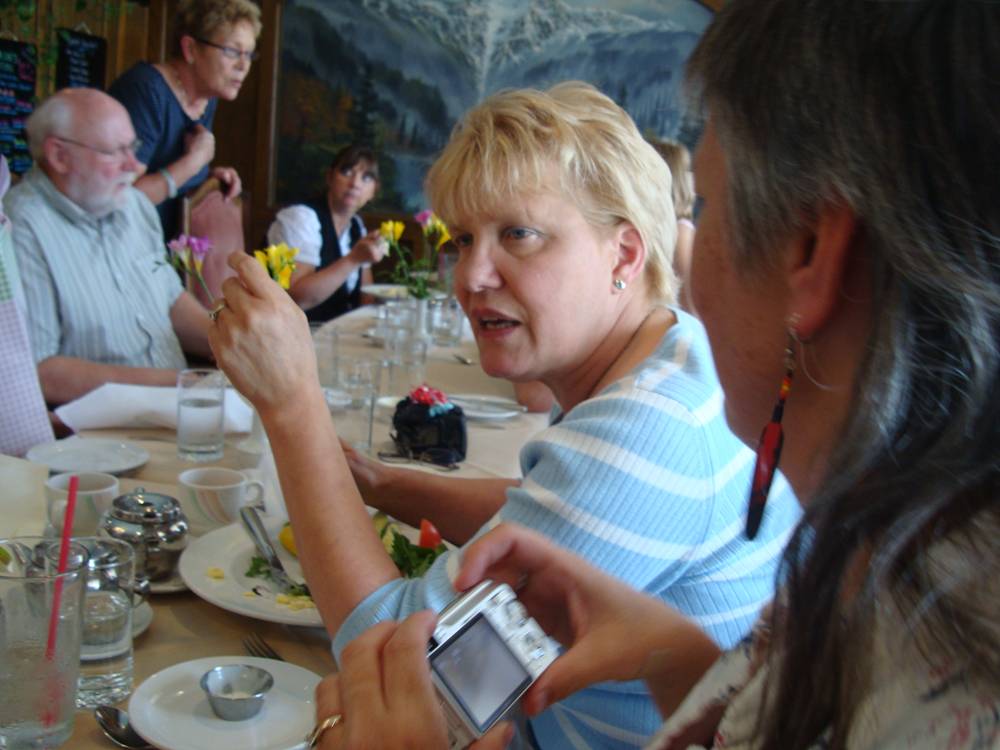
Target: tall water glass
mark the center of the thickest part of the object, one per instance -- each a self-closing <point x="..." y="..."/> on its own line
<point x="200" y="414"/>
<point x="447" y="319"/>
<point x="38" y="684"/>
<point x="326" y="343"/>
<point x="359" y="378"/>
<point x="406" y="353"/>
<point x="106" y="644"/>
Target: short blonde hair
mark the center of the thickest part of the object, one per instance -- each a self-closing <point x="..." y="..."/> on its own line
<point x="678" y="158"/>
<point x="202" y="18"/>
<point x="509" y="144"/>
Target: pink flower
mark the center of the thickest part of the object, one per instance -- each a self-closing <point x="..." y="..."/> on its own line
<point x="424" y="217"/>
<point x="199" y="246"/>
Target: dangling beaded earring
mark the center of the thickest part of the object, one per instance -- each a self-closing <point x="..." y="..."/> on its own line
<point x="769" y="446"/>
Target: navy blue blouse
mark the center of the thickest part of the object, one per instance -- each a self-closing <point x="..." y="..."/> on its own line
<point x="160" y="123"/>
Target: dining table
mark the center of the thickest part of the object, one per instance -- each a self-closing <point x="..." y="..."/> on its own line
<point x="186" y="627"/>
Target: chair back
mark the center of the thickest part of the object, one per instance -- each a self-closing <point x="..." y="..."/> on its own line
<point x="206" y="213"/>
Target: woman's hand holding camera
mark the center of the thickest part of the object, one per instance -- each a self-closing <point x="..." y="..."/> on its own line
<point x="385" y="695"/>
<point x="610" y="631"/>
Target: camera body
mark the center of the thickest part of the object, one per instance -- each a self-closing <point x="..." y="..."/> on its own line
<point x="486" y="651"/>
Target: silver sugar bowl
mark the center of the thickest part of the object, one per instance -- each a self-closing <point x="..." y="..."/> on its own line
<point x="154" y="525"/>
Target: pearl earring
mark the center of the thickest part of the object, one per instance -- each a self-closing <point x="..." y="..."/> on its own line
<point x="619" y="284"/>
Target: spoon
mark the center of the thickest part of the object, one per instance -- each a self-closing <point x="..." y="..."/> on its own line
<point x="115" y="724"/>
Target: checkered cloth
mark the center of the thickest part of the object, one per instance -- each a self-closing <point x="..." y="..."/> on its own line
<point x="24" y="420"/>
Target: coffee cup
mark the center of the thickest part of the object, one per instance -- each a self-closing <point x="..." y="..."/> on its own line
<point x="212" y="497"/>
<point x="94" y="494"/>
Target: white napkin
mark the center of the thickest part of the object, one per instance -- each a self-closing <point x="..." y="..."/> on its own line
<point x="118" y="405"/>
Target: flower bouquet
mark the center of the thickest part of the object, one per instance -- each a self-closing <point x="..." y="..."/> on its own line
<point x="415" y="274"/>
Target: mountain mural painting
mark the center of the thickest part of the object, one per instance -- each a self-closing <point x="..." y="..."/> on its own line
<point x="398" y="74"/>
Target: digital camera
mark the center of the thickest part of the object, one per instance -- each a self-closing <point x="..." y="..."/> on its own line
<point x="486" y="651"/>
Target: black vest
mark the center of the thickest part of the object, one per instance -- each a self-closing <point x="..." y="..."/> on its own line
<point x="341" y="301"/>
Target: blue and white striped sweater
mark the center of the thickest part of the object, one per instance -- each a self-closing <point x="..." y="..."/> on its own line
<point x="646" y="482"/>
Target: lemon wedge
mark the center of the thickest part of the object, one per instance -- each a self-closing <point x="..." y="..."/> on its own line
<point x="385" y="529"/>
<point x="287" y="539"/>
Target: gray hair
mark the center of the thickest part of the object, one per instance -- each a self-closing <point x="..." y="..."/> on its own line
<point x="54" y="116"/>
<point x="892" y="109"/>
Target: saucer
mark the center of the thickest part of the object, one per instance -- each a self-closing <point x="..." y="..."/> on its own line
<point x="142" y="616"/>
<point x="171" y="711"/>
<point x="171" y="585"/>
<point x="89" y="454"/>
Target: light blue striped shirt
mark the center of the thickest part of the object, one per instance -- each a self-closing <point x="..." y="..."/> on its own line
<point x="95" y="288"/>
<point x="645" y="481"/>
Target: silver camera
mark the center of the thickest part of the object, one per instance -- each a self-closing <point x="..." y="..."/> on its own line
<point x="486" y="651"/>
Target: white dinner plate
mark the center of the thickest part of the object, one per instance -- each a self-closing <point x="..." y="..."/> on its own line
<point x="487" y="407"/>
<point x="385" y="291"/>
<point x="171" y="711"/>
<point x="89" y="454"/>
<point x="230" y="549"/>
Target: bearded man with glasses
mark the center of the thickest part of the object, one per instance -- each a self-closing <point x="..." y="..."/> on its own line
<point x="102" y="305"/>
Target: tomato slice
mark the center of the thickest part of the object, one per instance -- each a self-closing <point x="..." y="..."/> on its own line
<point x="429" y="535"/>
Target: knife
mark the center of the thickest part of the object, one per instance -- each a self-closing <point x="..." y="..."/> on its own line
<point x="255" y="528"/>
<point x="489" y="403"/>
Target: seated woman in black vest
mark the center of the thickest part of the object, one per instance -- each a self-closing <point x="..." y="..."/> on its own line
<point x="335" y="251"/>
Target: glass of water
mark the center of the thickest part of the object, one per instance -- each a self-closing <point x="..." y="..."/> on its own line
<point x="447" y="318"/>
<point x="38" y="666"/>
<point x="106" y="643"/>
<point x="406" y="353"/>
<point x="359" y="379"/>
<point x="200" y="414"/>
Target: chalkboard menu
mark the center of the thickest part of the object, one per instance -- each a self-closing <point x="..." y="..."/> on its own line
<point x="18" y="67"/>
<point x="81" y="59"/>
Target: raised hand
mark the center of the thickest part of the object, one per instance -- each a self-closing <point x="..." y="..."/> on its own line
<point x="261" y="339"/>
<point x="199" y="144"/>
<point x="369" y="249"/>
<point x="230" y="178"/>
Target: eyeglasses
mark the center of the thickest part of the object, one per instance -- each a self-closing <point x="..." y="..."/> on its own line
<point x="231" y="52"/>
<point x="122" y="152"/>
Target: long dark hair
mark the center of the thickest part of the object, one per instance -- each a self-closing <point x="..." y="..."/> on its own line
<point x="892" y="108"/>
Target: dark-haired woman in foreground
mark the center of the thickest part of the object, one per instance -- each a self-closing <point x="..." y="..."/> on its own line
<point x="849" y="241"/>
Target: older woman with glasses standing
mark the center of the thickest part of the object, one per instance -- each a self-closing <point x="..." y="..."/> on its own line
<point x="172" y="104"/>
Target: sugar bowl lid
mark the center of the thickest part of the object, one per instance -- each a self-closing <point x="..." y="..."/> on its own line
<point x="140" y="506"/>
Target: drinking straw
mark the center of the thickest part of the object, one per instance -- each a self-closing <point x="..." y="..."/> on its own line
<point x="67" y="532"/>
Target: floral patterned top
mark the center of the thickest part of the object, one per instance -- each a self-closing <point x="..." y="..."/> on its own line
<point x="914" y="707"/>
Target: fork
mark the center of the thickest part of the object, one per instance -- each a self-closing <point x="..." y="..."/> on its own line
<point x="255" y="645"/>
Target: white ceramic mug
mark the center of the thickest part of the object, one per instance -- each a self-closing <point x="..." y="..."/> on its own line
<point x="212" y="497"/>
<point x="93" y="497"/>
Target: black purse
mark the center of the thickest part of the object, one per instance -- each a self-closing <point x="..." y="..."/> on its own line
<point x="428" y="427"/>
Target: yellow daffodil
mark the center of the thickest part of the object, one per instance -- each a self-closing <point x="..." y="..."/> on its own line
<point x="278" y="261"/>
<point x="443" y="237"/>
<point x="392" y="230"/>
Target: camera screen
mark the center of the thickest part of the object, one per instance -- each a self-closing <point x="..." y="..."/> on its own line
<point x="481" y="672"/>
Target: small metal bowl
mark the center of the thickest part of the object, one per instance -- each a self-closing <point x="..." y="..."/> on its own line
<point x="236" y="691"/>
